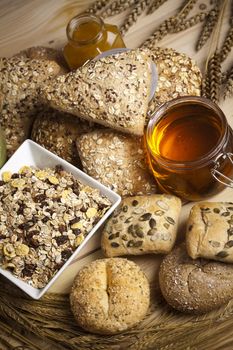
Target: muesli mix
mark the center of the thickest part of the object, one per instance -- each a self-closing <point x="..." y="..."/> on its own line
<point x="45" y="215"/>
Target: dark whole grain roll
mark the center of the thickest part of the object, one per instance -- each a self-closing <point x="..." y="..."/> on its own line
<point x="194" y="286"/>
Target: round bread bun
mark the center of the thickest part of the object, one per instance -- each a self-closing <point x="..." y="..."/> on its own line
<point x="58" y="132"/>
<point x="109" y="296"/>
<point x="194" y="286"/>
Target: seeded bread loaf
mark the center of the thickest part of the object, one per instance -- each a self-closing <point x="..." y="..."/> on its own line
<point x="210" y="231"/>
<point x="178" y="75"/>
<point x="142" y="225"/>
<point x="109" y="296"/>
<point x="113" y="91"/>
<point x="58" y="132"/>
<point x="117" y="161"/>
<point x="20" y="79"/>
<point x="194" y="286"/>
<point x="44" y="53"/>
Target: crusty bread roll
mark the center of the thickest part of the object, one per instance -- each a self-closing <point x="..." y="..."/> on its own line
<point x="109" y="296"/>
<point x="113" y="91"/>
<point x="117" y="161"/>
<point x="20" y="79"/>
<point x="194" y="286"/>
<point x="58" y="132"/>
<point x="210" y="231"/>
<point x="44" y="53"/>
<point x="142" y="225"/>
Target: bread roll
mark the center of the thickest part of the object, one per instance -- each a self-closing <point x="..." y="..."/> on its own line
<point x="194" y="286"/>
<point x="113" y="91"/>
<point x="109" y="296"/>
<point x="210" y="231"/>
<point x="116" y="160"/>
<point x="20" y="80"/>
<point x="142" y="225"/>
<point x="58" y="132"/>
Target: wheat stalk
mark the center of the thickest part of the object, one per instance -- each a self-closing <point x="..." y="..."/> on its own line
<point x="133" y="16"/>
<point x="154" y="5"/>
<point x="192" y="21"/>
<point x="214" y="76"/>
<point x="210" y="23"/>
<point x="97" y="6"/>
<point x="117" y="6"/>
<point x="227" y="45"/>
<point x="186" y="8"/>
<point x="169" y="25"/>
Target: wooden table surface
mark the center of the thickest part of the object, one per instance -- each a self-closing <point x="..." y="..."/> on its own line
<point x="25" y="23"/>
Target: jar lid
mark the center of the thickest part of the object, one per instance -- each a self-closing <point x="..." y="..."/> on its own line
<point x="154" y="72"/>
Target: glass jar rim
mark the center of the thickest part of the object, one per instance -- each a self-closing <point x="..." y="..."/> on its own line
<point x="82" y="18"/>
<point x="208" y="157"/>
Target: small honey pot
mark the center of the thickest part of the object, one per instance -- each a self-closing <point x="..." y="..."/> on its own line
<point x="190" y="148"/>
<point x="88" y="36"/>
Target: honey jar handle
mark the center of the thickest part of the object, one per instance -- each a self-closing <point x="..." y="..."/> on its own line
<point x="218" y="176"/>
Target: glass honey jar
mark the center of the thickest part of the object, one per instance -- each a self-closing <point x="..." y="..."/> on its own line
<point x="190" y="148"/>
<point x="88" y="36"/>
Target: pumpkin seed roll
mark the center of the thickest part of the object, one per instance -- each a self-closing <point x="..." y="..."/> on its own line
<point x="210" y="231"/>
<point x="142" y="225"/>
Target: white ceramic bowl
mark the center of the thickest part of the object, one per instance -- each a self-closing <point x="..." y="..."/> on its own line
<point x="31" y="154"/>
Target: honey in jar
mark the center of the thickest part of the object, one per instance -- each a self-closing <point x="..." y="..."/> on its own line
<point x="88" y="36"/>
<point x="189" y="146"/>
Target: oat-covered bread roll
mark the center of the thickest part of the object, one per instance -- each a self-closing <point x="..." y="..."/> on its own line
<point x="210" y="231"/>
<point x="142" y="225"/>
<point x="117" y="161"/>
<point x="109" y="296"/>
<point x="44" y="53"/>
<point x="113" y="91"/>
<point x="194" y="286"/>
<point x="58" y="132"/>
<point x="178" y="75"/>
<point x="20" y="79"/>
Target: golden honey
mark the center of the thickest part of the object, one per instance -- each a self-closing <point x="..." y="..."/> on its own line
<point x="88" y="36"/>
<point x="185" y="141"/>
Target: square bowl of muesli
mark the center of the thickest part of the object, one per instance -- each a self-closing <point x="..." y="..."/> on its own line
<point x="49" y="209"/>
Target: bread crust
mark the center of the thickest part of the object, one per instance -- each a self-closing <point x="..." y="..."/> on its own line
<point x="109" y="296"/>
<point x="194" y="286"/>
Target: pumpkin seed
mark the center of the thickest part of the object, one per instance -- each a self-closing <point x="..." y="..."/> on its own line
<point x="159" y="212"/>
<point x="166" y="225"/>
<point x="152" y="223"/>
<point x="170" y="220"/>
<point x="229" y="244"/>
<point x="139" y="233"/>
<point x="222" y="254"/>
<point x="124" y="238"/>
<point x="230" y="208"/>
<point x="125" y="208"/>
<point x="127" y="221"/>
<point x="130" y="243"/>
<point x="130" y="229"/>
<point x="216" y="210"/>
<point x="226" y="213"/>
<point x="214" y="244"/>
<point x="151" y="232"/>
<point x="137" y="244"/>
<point x="145" y="217"/>
<point x="115" y="245"/>
<point x="230" y="231"/>
<point x="162" y="205"/>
